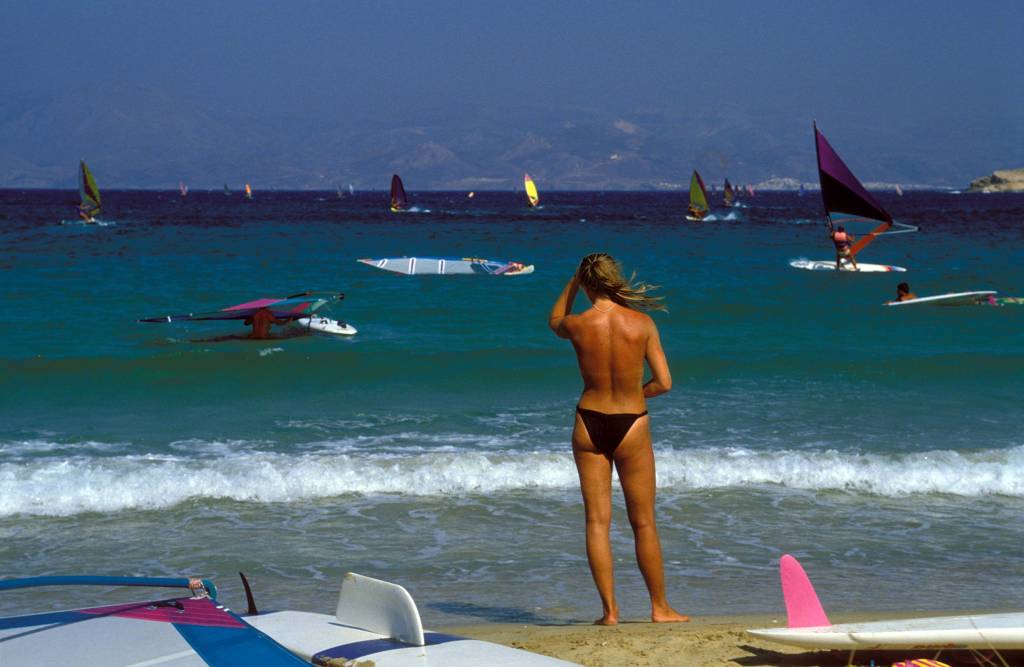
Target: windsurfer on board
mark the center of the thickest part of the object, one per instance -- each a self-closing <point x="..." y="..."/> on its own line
<point x="903" y="293"/>
<point x="261" y="321"/>
<point x="843" y="240"/>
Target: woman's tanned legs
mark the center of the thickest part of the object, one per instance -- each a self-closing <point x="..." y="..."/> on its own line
<point x="634" y="461"/>
<point x="595" y="470"/>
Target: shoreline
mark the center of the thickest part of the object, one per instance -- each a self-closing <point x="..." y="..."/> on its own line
<point x="705" y="641"/>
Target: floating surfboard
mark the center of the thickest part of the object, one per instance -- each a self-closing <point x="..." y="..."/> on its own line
<point x="378" y="622"/>
<point x="422" y="266"/>
<point x="809" y="627"/>
<point x="830" y="265"/>
<point x="326" y="325"/>
<point x="950" y="299"/>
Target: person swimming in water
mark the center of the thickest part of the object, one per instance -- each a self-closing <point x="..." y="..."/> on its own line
<point x="612" y="340"/>
<point x="903" y="293"/>
<point x="261" y="322"/>
<point x="843" y="240"/>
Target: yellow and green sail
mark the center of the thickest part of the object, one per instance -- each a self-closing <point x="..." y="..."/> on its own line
<point x="90" y="206"/>
<point x="531" y="190"/>
<point x="698" y="194"/>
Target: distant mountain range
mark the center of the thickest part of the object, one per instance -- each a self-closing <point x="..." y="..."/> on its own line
<point x="144" y="138"/>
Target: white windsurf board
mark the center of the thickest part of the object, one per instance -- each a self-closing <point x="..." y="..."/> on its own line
<point x="949" y="299"/>
<point x="830" y="265"/>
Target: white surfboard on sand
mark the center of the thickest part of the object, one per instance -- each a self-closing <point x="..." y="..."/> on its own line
<point x="949" y="299"/>
<point x="809" y="627"/>
<point x="377" y="623"/>
<point x="830" y="265"/>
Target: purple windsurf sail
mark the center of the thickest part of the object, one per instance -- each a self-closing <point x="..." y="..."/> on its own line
<point x="841" y="192"/>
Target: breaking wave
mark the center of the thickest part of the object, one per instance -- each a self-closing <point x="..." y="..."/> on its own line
<point x="115" y="481"/>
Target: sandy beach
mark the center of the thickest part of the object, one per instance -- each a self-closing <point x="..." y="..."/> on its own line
<point x="703" y="642"/>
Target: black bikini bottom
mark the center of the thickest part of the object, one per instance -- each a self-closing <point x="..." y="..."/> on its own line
<point x="607" y="430"/>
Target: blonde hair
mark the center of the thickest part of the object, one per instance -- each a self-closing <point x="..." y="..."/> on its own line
<point x="602" y="275"/>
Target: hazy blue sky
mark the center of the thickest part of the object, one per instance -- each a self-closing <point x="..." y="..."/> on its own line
<point x="940" y="65"/>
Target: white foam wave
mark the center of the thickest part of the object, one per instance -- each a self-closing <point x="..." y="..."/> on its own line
<point x="67" y="486"/>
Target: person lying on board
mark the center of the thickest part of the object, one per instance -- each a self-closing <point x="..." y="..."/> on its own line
<point x="903" y="293"/>
<point x="843" y="240"/>
<point x="261" y="321"/>
<point x="613" y="339"/>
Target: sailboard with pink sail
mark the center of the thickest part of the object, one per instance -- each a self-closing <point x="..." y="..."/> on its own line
<point x="847" y="201"/>
<point x="301" y="308"/>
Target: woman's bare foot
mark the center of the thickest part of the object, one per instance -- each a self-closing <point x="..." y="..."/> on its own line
<point x="668" y="615"/>
<point x="607" y="619"/>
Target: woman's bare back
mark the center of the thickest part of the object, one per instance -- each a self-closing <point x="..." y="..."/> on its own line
<point x="611" y="345"/>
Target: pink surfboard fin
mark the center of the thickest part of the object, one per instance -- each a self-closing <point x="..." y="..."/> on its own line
<point x="803" y="610"/>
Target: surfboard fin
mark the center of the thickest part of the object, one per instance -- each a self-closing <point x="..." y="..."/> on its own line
<point x="803" y="609"/>
<point x="249" y="599"/>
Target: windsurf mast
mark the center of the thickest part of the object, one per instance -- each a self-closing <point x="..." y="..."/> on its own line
<point x="89" y="207"/>
<point x="531" y="190"/>
<point x="398" y="199"/>
<point x="842" y="193"/>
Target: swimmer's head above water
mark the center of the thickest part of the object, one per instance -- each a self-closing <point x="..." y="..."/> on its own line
<point x="600" y="275"/>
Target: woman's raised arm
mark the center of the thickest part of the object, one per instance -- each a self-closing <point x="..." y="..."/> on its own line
<point x="563" y="306"/>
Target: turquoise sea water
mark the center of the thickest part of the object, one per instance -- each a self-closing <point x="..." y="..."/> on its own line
<point x="882" y="446"/>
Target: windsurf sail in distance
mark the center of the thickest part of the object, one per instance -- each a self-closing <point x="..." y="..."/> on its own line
<point x="728" y="196"/>
<point x="843" y="194"/>
<point x="398" y="199"/>
<point x="227" y="193"/>
<point x="290" y="308"/>
<point x="182" y="188"/>
<point x="899" y="190"/>
<point x="698" y="198"/>
<point x="89" y="207"/>
<point x="248" y="191"/>
<point x="429" y="266"/>
<point x="531" y="190"/>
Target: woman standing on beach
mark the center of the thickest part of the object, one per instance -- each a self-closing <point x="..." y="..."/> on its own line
<point x="612" y="340"/>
